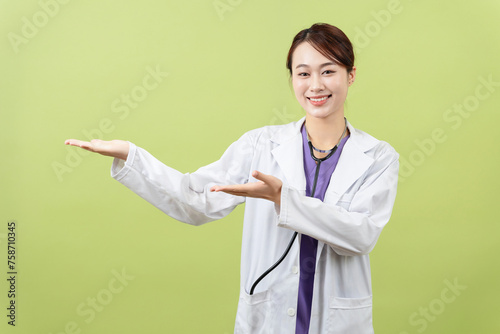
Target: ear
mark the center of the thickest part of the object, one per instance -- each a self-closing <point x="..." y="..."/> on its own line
<point x="351" y="76"/>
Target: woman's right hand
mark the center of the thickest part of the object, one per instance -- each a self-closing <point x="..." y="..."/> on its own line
<point x="113" y="148"/>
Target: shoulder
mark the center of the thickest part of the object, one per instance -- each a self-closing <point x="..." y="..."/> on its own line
<point x="273" y="133"/>
<point x="372" y="146"/>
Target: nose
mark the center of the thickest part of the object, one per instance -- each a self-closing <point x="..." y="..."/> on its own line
<point x="316" y="83"/>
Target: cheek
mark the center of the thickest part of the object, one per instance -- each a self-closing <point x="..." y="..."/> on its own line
<point x="339" y="86"/>
<point x="298" y="88"/>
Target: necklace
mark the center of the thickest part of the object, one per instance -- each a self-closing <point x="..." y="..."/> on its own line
<point x="332" y="149"/>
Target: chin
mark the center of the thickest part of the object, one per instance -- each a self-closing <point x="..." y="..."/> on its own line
<point x="319" y="113"/>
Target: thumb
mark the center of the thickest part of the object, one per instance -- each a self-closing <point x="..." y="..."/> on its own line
<point x="261" y="176"/>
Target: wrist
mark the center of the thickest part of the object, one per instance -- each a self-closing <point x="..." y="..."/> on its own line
<point x="124" y="150"/>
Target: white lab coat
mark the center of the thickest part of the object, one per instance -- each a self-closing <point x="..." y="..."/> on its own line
<point x="357" y="205"/>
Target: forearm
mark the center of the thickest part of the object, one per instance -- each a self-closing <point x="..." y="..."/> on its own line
<point x="348" y="233"/>
<point x="169" y="190"/>
<point x="350" y="229"/>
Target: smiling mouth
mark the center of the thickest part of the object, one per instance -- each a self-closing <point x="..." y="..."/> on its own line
<point x="320" y="99"/>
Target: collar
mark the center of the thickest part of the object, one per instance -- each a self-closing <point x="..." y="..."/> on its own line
<point x="352" y="164"/>
<point x="363" y="141"/>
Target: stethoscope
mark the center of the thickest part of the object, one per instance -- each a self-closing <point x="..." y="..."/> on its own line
<point x="316" y="174"/>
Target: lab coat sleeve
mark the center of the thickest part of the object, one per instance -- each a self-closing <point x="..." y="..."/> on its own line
<point x="186" y="197"/>
<point x="349" y="232"/>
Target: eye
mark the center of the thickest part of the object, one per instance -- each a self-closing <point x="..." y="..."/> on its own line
<point x="302" y="74"/>
<point x="329" y="72"/>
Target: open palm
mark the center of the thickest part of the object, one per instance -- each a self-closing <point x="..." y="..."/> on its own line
<point x="268" y="187"/>
<point x="113" y="148"/>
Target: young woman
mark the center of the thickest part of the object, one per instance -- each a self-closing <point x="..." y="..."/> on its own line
<point x="318" y="193"/>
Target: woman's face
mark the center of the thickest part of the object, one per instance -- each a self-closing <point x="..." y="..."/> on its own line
<point x="320" y="85"/>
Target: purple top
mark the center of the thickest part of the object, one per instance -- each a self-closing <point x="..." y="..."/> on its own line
<point x="308" y="245"/>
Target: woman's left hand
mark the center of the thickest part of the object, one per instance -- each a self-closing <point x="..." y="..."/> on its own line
<point x="268" y="187"/>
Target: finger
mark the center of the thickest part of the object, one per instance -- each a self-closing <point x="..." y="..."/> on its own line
<point x="238" y="189"/>
<point x="220" y="188"/>
<point x="225" y="188"/>
<point x="100" y="146"/>
<point x="76" y="142"/>
<point x="236" y="193"/>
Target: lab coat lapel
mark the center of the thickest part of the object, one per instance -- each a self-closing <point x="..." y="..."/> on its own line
<point x="289" y="155"/>
<point x="353" y="163"/>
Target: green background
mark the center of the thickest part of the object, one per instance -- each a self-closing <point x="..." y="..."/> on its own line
<point x="226" y="75"/>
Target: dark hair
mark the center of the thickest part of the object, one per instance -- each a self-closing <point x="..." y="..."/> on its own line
<point x="329" y="40"/>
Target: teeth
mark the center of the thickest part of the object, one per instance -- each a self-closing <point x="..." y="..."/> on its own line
<point x="318" y="100"/>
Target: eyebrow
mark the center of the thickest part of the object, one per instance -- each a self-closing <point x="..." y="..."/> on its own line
<point x="322" y="65"/>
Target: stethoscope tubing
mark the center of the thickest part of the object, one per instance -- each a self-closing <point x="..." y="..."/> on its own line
<point x="292" y="239"/>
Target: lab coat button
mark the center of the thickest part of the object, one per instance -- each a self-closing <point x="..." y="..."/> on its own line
<point x="295" y="269"/>
<point x="291" y="312"/>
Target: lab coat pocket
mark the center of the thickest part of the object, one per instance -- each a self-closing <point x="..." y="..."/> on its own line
<point x="350" y="315"/>
<point x="254" y="313"/>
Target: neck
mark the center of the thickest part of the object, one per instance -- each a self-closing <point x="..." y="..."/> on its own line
<point x="325" y="133"/>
